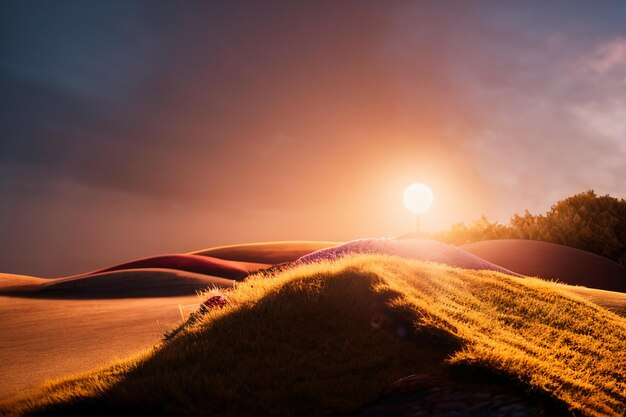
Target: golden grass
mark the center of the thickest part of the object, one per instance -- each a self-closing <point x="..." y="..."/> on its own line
<point x="611" y="300"/>
<point x="533" y="330"/>
<point x="302" y="343"/>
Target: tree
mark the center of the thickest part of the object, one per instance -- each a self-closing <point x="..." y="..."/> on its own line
<point x="585" y="221"/>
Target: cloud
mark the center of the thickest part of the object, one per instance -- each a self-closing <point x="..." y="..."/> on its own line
<point x="610" y="58"/>
<point x="289" y="110"/>
<point x="604" y="118"/>
<point x="543" y="100"/>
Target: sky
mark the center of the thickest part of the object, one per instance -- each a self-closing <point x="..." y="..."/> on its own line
<point x="135" y="128"/>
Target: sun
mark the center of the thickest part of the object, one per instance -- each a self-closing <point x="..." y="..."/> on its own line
<point x="418" y="198"/>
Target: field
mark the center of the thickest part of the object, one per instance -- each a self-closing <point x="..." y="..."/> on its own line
<point x="330" y="337"/>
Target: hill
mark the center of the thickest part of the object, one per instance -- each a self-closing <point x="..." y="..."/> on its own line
<point x="190" y="263"/>
<point x="265" y="252"/>
<point x="418" y="249"/>
<point x="150" y="282"/>
<point x="13" y="282"/>
<point x="329" y="337"/>
<point x="548" y="260"/>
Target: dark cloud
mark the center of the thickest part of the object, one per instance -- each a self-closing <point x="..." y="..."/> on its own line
<point x="225" y="82"/>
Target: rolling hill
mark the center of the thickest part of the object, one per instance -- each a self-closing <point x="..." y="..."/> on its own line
<point x="548" y="260"/>
<point x="266" y="252"/>
<point x="206" y="265"/>
<point x="419" y="249"/>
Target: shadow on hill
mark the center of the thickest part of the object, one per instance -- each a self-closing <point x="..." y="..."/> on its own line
<point x="307" y="348"/>
<point x="134" y="283"/>
<point x="548" y="260"/>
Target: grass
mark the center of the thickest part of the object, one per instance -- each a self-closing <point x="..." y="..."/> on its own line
<point x="321" y="338"/>
<point x="611" y="300"/>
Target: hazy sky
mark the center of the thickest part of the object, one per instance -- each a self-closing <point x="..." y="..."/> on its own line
<point x="130" y="129"/>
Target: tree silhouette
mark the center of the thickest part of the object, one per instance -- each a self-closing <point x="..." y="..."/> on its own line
<point x="586" y="221"/>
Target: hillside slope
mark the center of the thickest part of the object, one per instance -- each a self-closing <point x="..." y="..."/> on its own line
<point x="265" y="252"/>
<point x="410" y="248"/>
<point x="331" y="336"/>
<point x="131" y="283"/>
<point x="189" y="263"/>
<point x="549" y="260"/>
<point x="43" y="338"/>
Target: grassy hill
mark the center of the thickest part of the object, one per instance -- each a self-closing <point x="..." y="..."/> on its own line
<point x="330" y="337"/>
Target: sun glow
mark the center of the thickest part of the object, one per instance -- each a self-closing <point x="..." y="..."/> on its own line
<point x="418" y="198"/>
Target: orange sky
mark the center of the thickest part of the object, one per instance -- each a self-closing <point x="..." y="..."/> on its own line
<point x="146" y="128"/>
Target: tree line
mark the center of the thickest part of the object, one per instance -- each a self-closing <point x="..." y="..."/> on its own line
<point x="585" y="221"/>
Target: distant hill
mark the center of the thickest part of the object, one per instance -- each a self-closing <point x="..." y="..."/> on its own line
<point x="548" y="260"/>
<point x="419" y="249"/>
<point x="190" y="263"/>
<point x="149" y="282"/>
<point x="265" y="252"/>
